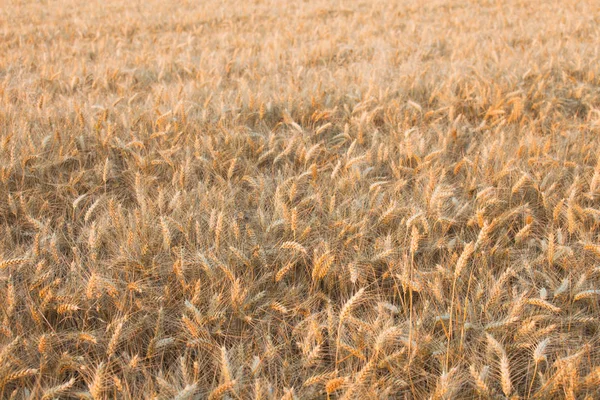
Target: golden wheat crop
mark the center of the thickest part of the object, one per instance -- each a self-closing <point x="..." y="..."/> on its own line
<point x="319" y="199"/>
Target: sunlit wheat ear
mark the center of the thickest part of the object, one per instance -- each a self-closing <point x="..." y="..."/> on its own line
<point x="58" y="390"/>
<point x="218" y="229"/>
<point x="294" y="246"/>
<point x="479" y="379"/>
<point x="187" y="392"/>
<point x="283" y="271"/>
<point x="544" y="304"/>
<point x="98" y="383"/>
<point x="344" y="313"/>
<point x="90" y="212"/>
<point x="166" y="233"/>
<point x="464" y="259"/>
<point x="415" y="237"/>
<point x="225" y="367"/>
<point x="571" y="216"/>
<point x="10" y="299"/>
<point x="361" y="377"/>
<point x="319" y="378"/>
<point x="333" y="385"/>
<point x="12" y="261"/>
<point x="114" y="340"/>
<point x="447" y="384"/>
<point x="505" y="375"/>
<point x="16" y="376"/>
<point x="504" y="365"/>
<point x="520" y="183"/>
<point x="523" y="233"/>
<point x="539" y="353"/>
<point x="587" y="294"/>
<point x="221" y="390"/>
<point x="321" y="265"/>
<point x="66" y="308"/>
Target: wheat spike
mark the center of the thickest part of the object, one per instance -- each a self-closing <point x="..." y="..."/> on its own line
<point x="12" y="261"/>
<point x="294" y="246"/>
<point x="187" y="392"/>
<point x="319" y="378"/>
<point x="464" y="258"/>
<point x="586" y="294"/>
<point x="350" y="303"/>
<point x="225" y="368"/>
<point x="321" y="266"/>
<point x="479" y="378"/>
<point x="114" y="340"/>
<point x="544" y="304"/>
<point x="97" y="385"/>
<point x="218" y="229"/>
<point x="220" y="390"/>
<point x="283" y="271"/>
<point x="90" y="212"/>
<point x="58" y="390"/>
<point x="166" y="232"/>
<point x="334" y="385"/>
<point x="24" y="373"/>
<point x="505" y="375"/>
<point x="540" y="349"/>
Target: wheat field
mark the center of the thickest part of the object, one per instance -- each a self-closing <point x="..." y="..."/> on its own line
<point x="300" y="200"/>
